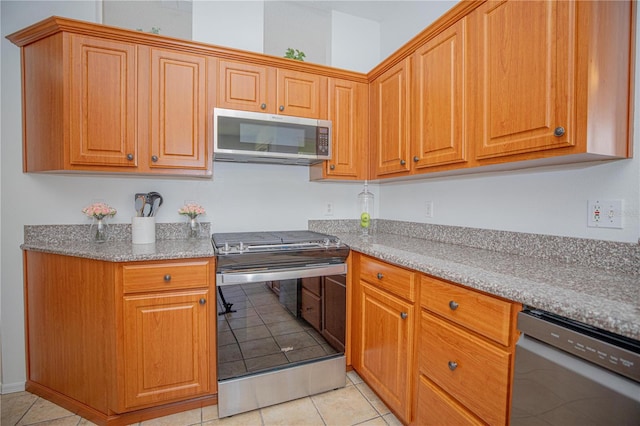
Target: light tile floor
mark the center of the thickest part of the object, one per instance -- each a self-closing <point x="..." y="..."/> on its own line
<point x="355" y="404"/>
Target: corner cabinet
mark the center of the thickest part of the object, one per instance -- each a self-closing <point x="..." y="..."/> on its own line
<point x="552" y="79"/>
<point x="348" y="112"/>
<point x="390" y="121"/>
<point x="120" y="342"/>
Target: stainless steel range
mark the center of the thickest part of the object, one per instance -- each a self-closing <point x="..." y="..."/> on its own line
<point x="281" y="317"/>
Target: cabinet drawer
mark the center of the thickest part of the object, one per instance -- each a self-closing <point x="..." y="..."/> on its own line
<point x="474" y="372"/>
<point x="396" y="280"/>
<point x="483" y="314"/>
<point x="165" y="276"/>
<point x="437" y="408"/>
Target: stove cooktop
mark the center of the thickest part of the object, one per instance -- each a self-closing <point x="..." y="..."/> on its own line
<point x="240" y="242"/>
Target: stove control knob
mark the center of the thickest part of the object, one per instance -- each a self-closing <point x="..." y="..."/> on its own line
<point x="226" y="247"/>
<point x="241" y="247"/>
<point x="326" y="242"/>
<point x="338" y="242"/>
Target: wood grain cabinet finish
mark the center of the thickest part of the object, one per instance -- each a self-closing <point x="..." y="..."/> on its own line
<point x="102" y="345"/>
<point x="96" y="104"/>
<point x="178" y="111"/>
<point x="349" y="114"/>
<point x="438" y="96"/>
<point x="102" y="101"/>
<point x="383" y="333"/>
<point x="552" y="78"/>
<point x="466" y="351"/>
<point x="259" y="88"/>
<point x="390" y="121"/>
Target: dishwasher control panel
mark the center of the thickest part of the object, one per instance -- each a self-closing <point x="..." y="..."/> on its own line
<point x="609" y="350"/>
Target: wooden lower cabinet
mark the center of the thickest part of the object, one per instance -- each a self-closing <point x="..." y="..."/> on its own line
<point x="383" y="334"/>
<point x="436" y="408"/>
<point x="436" y="353"/>
<point x="106" y="348"/>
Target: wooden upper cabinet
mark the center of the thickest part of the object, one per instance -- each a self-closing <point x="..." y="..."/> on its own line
<point x="102" y="119"/>
<point x="250" y="87"/>
<point x="439" y="127"/>
<point x="178" y="111"/>
<point x="390" y="120"/>
<point x="552" y="75"/>
<point x="246" y="87"/>
<point x="301" y="94"/>
<point x="348" y="113"/>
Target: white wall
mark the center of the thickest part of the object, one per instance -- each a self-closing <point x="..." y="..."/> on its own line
<point x="396" y="29"/>
<point x="173" y="18"/>
<point x="237" y="24"/>
<point x="298" y="27"/>
<point x="355" y="42"/>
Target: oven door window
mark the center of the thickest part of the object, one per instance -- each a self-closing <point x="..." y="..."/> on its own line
<point x="276" y="324"/>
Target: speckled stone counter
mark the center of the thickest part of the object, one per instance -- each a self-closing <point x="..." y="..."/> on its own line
<point x="75" y="240"/>
<point x="597" y="296"/>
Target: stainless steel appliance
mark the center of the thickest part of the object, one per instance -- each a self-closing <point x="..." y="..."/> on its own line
<point x="281" y="319"/>
<point x="269" y="138"/>
<point x="569" y="373"/>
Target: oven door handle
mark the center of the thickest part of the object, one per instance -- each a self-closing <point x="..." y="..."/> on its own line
<point x="244" y="277"/>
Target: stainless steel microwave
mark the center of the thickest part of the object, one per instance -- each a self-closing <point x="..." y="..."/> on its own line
<point x="244" y="136"/>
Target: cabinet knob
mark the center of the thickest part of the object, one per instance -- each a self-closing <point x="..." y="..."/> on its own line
<point x="559" y="131"/>
<point x="452" y="365"/>
<point x="281" y="108"/>
<point x="167" y="278"/>
<point x="332" y="167"/>
<point x="453" y="305"/>
<point x="380" y="276"/>
<point x="403" y="315"/>
<point x="402" y="162"/>
<point x="263" y="106"/>
<point x="203" y="301"/>
<point x="416" y="158"/>
<point x="130" y="157"/>
<point x="154" y="158"/>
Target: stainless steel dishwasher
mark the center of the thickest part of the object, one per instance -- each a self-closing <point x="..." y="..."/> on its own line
<point x="569" y="373"/>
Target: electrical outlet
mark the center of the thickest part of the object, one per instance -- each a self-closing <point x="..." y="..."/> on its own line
<point x="604" y="214"/>
<point x="428" y="208"/>
<point x="328" y="209"/>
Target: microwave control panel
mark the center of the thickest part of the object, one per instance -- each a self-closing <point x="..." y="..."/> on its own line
<point x="322" y="147"/>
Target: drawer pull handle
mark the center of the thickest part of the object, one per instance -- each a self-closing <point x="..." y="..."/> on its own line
<point x="263" y="106"/>
<point x="558" y="131"/>
<point x="154" y="158"/>
<point x="380" y="276"/>
<point x="281" y="108"/>
<point x="453" y="305"/>
<point x="403" y="315"/>
<point x="167" y="278"/>
<point x="203" y="301"/>
<point x="453" y="365"/>
<point x="130" y="157"/>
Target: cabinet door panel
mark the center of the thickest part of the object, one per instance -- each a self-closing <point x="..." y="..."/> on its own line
<point x="302" y="94"/>
<point x="386" y="347"/>
<point x="102" y="127"/>
<point x="246" y="87"/>
<point x="178" y="110"/>
<point x="166" y="350"/>
<point x="390" y="117"/>
<point x="438" y="99"/>
<point x="348" y="107"/>
<point x="523" y="98"/>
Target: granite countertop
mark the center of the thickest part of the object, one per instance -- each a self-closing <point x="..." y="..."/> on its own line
<point x="601" y="298"/>
<point x="74" y="240"/>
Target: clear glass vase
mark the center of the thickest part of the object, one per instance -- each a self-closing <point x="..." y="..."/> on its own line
<point x="193" y="227"/>
<point x="98" y="230"/>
